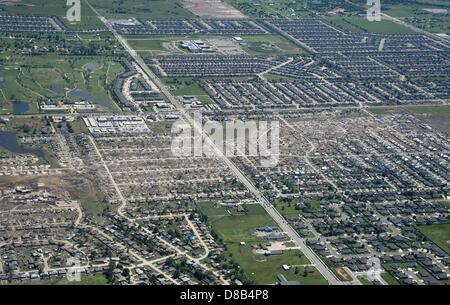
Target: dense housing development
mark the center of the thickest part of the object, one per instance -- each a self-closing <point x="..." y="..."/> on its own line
<point x="112" y="171"/>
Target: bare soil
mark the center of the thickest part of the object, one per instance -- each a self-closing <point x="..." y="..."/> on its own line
<point x="214" y="9"/>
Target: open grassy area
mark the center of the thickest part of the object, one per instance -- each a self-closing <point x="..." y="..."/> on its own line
<point x="269" y="45"/>
<point x="98" y="279"/>
<point x="142" y="8"/>
<point x="39" y="7"/>
<point x="436" y="116"/>
<point x="78" y="126"/>
<point x="258" y="45"/>
<point x="437" y="110"/>
<point x="389" y="278"/>
<point x="314" y="278"/>
<point x="271" y="9"/>
<point x="286" y="208"/>
<point x="412" y="8"/>
<point x="58" y="8"/>
<point x="439" y="234"/>
<point x="158" y="46"/>
<point x="53" y="77"/>
<point x="90" y="201"/>
<point x="26" y="125"/>
<point x="414" y="13"/>
<point x="360" y="24"/>
<point x="148" y="44"/>
<point x="433" y="24"/>
<point x="110" y="8"/>
<point x="184" y="86"/>
<point x="234" y="228"/>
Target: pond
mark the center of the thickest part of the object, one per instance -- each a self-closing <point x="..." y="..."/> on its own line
<point x="8" y="140"/>
<point x="89" y="98"/>
<point x="58" y="90"/>
<point x="20" y="107"/>
<point x="90" y="66"/>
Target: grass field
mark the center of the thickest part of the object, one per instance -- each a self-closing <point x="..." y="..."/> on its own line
<point x="142" y="8"/>
<point x="39" y="7"/>
<point x="148" y="44"/>
<point x="98" y="279"/>
<point x="159" y="46"/>
<point x="359" y="24"/>
<point x="237" y="228"/>
<point x="437" y="110"/>
<point x="58" y="8"/>
<point x="32" y="78"/>
<point x="260" y="269"/>
<point x="439" y="234"/>
<point x="269" y="45"/>
<point x="110" y="8"/>
<point x="389" y="278"/>
<point x="184" y="86"/>
<point x="89" y="201"/>
<point x="364" y="280"/>
<point x="269" y="8"/>
<point x="413" y="9"/>
<point x="286" y="208"/>
<point x="433" y="24"/>
<point x="435" y="115"/>
<point x="258" y="45"/>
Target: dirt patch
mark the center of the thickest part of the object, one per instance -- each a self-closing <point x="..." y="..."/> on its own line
<point x="226" y="46"/>
<point x="342" y="274"/>
<point x="214" y="9"/>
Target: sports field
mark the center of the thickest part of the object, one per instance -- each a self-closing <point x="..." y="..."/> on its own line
<point x="237" y="231"/>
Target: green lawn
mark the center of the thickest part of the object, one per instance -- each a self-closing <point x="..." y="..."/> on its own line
<point x="56" y="8"/>
<point x="360" y="24"/>
<point x="364" y="280"/>
<point x="314" y="278"/>
<point x="269" y="45"/>
<point x="389" y="278"/>
<point x="234" y="228"/>
<point x="47" y="7"/>
<point x="184" y="86"/>
<point x="262" y="269"/>
<point x="97" y="279"/>
<point x="433" y="24"/>
<point x="439" y="234"/>
<point x="237" y="228"/>
<point x="90" y="200"/>
<point x="109" y="8"/>
<point x="142" y="8"/>
<point x="271" y="9"/>
<point x="29" y="79"/>
<point x="286" y="208"/>
<point x="78" y="126"/>
<point x="148" y="44"/>
<point x="437" y="110"/>
<point x="263" y="45"/>
<point x="158" y="45"/>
